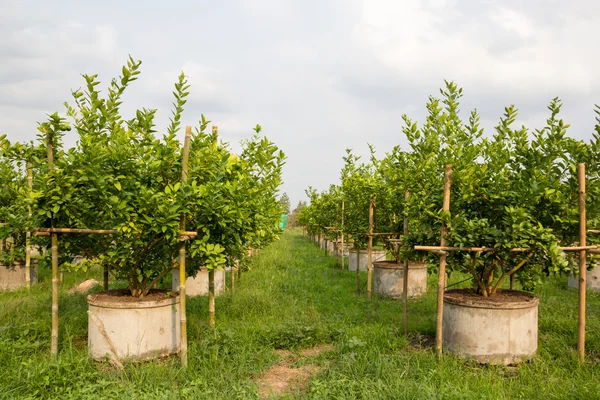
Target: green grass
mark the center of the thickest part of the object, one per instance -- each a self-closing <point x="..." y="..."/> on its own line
<point x="293" y="298"/>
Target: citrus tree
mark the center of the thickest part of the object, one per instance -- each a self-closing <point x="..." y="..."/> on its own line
<point x="508" y="191"/>
<point x="121" y="175"/>
<point x="358" y="185"/>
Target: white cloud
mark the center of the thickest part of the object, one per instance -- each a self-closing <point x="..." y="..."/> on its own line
<point x="414" y="41"/>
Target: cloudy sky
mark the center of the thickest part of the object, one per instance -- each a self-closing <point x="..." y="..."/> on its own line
<point x="320" y="76"/>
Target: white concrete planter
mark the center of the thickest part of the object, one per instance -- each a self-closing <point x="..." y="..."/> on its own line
<point x="592" y="280"/>
<point x="363" y="260"/>
<point x="123" y="328"/>
<point x="13" y="277"/>
<point x="491" y="330"/>
<point x="198" y="285"/>
<point x="330" y="247"/>
<point x="338" y="250"/>
<point x="389" y="278"/>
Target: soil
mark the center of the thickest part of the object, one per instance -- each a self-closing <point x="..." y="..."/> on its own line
<point x="124" y="296"/>
<point x="502" y="296"/>
<point x="283" y="377"/>
<point x="394" y="265"/>
<point x="84" y="286"/>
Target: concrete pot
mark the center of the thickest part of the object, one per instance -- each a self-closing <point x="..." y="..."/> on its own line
<point x="13" y="277"/>
<point x="330" y="247"/>
<point x="338" y="249"/>
<point x="124" y="328"/>
<point x="363" y="259"/>
<point x="592" y="280"/>
<point x="389" y="278"/>
<point x="496" y="330"/>
<point x="198" y="285"/>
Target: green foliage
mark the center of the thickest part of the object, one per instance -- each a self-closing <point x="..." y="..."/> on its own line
<point x="122" y="175"/>
<point x="514" y="189"/>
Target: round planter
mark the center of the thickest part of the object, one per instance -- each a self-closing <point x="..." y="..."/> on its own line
<point x="502" y="329"/>
<point x="338" y="249"/>
<point x="198" y="285"/>
<point x="592" y="281"/>
<point x="124" y="327"/>
<point x="330" y="246"/>
<point x="363" y="258"/>
<point x="13" y="276"/>
<point x="389" y="278"/>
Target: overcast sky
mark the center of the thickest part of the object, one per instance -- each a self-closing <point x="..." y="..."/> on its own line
<point x="318" y="75"/>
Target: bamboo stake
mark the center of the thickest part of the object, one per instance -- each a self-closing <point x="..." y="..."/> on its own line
<point x="183" y="356"/>
<point x="357" y="270"/>
<point x="370" y="252"/>
<point x="74" y="230"/>
<point x="105" y="283"/>
<point x="495" y="249"/>
<point x="342" y="234"/>
<point x="211" y="272"/>
<point x="442" y="271"/>
<point x="55" y="280"/>
<point x="582" y="263"/>
<point x="405" y="282"/>
<point x="233" y="268"/>
<point x="28" y="234"/>
<point x="211" y="297"/>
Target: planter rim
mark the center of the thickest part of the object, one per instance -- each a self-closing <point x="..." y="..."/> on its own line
<point x="18" y="263"/>
<point x="101" y="299"/>
<point x="366" y="251"/>
<point x="486" y="302"/>
<point x="390" y="264"/>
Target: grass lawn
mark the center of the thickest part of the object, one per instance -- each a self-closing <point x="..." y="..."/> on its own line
<point x="293" y="298"/>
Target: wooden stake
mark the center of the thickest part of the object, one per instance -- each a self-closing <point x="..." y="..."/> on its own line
<point x="405" y="282"/>
<point x="211" y="273"/>
<point x="342" y="234"/>
<point x="442" y="271"/>
<point x="54" y="244"/>
<point x="28" y="234"/>
<point x="211" y="298"/>
<point x="105" y="278"/>
<point x="357" y="270"/>
<point x="55" y="283"/>
<point x="233" y="268"/>
<point x="370" y="251"/>
<point x="582" y="263"/>
<point x="183" y="356"/>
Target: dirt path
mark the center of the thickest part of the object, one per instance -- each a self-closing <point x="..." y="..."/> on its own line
<point x="284" y="376"/>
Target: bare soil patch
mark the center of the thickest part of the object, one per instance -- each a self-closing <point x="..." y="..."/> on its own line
<point x="284" y="377"/>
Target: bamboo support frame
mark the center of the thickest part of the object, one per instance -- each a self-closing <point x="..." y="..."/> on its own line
<point x="55" y="279"/>
<point x="442" y="271"/>
<point x="28" y="234"/>
<point x="211" y="272"/>
<point x="582" y="248"/>
<point x="357" y="270"/>
<point x="405" y="282"/>
<point x="582" y="263"/>
<point x="183" y="354"/>
<point x="232" y="269"/>
<point x="342" y="230"/>
<point x="370" y="251"/>
<point x="439" y="249"/>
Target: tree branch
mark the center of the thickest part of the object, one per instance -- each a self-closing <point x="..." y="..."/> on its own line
<point x="512" y="271"/>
